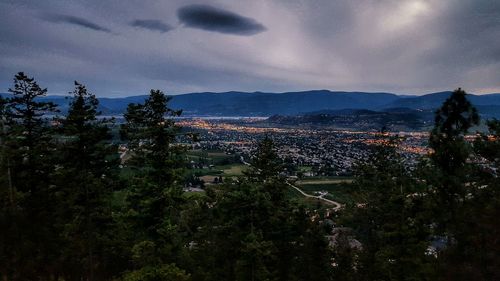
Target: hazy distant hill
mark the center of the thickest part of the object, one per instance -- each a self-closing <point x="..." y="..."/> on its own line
<point x="292" y="103"/>
<point x="434" y="100"/>
<point x="266" y="104"/>
<point x="391" y="119"/>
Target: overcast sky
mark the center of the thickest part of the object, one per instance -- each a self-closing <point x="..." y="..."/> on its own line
<point x="121" y="48"/>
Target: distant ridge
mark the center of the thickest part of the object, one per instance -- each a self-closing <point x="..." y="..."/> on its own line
<point x="435" y="100"/>
<point x="266" y="104"/>
<point x="362" y="119"/>
<point x="291" y="103"/>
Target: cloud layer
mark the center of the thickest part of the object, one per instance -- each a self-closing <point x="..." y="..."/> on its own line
<point x="153" y="25"/>
<point x="118" y="49"/>
<point x="72" y="20"/>
<point x="209" y="18"/>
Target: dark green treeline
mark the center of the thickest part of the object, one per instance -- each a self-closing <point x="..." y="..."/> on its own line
<point x="72" y="209"/>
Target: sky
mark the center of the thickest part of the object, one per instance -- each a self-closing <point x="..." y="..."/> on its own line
<point x="122" y="48"/>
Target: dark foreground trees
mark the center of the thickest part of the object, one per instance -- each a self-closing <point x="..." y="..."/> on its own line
<point x="389" y="221"/>
<point x="474" y="247"/>
<point x="72" y="209"/>
<point x="251" y="231"/>
<point x="154" y="195"/>
<point x="27" y="223"/>
<point x="436" y="223"/>
<point x="84" y="181"/>
<point x="464" y="188"/>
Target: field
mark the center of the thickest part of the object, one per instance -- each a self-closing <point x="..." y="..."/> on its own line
<point x="339" y="189"/>
<point x="324" y="181"/>
<point x="213" y="156"/>
<point x="311" y="203"/>
<point x="214" y="163"/>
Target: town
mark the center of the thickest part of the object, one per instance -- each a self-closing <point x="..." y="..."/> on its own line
<point x="306" y="152"/>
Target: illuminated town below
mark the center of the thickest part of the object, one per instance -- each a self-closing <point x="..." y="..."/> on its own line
<point x="326" y="151"/>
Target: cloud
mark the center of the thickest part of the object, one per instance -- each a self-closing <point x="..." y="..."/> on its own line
<point x="153" y="25"/>
<point x="411" y="46"/>
<point x="213" y="19"/>
<point x="76" y="21"/>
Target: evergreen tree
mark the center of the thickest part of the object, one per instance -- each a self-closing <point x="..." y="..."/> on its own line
<point x="474" y="253"/>
<point x="453" y="120"/>
<point x="154" y="196"/>
<point x="266" y="169"/>
<point x="85" y="179"/>
<point x="7" y="193"/>
<point x="265" y="165"/>
<point x="449" y="161"/>
<point x="28" y="232"/>
<point x="150" y="134"/>
<point x="250" y="233"/>
<point x="389" y="220"/>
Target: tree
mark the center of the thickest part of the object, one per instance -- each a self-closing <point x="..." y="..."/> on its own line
<point x="449" y="160"/>
<point x="154" y="193"/>
<point x="474" y="253"/>
<point x="389" y="220"/>
<point x="6" y="194"/>
<point x="265" y="164"/>
<point x="28" y="132"/>
<point x="453" y="120"/>
<point x="251" y="231"/>
<point x="30" y="238"/>
<point x="266" y="169"/>
<point x="85" y="179"/>
<point x="164" y="272"/>
<point x="150" y="134"/>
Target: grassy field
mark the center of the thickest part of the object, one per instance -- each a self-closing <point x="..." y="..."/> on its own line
<point x="208" y="174"/>
<point x="310" y="203"/>
<point x="232" y="170"/>
<point x="339" y="189"/>
<point x="324" y="180"/>
<point x="212" y="156"/>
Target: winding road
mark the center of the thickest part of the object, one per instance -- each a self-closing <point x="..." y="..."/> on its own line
<point x="337" y="205"/>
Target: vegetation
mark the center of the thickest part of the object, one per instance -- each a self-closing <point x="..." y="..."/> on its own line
<point x="72" y="209"/>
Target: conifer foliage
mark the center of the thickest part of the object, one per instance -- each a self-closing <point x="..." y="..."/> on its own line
<point x="79" y="203"/>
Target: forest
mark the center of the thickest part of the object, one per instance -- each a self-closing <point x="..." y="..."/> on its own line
<point x="72" y="209"/>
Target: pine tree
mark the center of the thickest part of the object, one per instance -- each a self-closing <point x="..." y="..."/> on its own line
<point x="449" y="158"/>
<point x="31" y="240"/>
<point x="265" y="164"/>
<point x="266" y="168"/>
<point x="154" y="196"/>
<point x="7" y="193"/>
<point x="252" y="232"/>
<point x="86" y="177"/>
<point x="474" y="253"/>
<point x="453" y="120"/>
<point x="389" y="220"/>
<point x="150" y="134"/>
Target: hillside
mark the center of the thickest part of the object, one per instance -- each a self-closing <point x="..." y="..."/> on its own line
<point x="266" y="104"/>
<point x="291" y="103"/>
<point x="392" y="119"/>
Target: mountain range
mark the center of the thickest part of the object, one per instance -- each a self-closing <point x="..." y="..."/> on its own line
<point x="393" y="119"/>
<point x="291" y="103"/>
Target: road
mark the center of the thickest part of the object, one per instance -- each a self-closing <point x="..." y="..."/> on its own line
<point x="337" y="205"/>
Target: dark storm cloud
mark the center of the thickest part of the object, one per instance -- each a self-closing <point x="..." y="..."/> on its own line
<point x="153" y="25"/>
<point x="401" y="46"/>
<point x="213" y="19"/>
<point x="474" y="30"/>
<point x="66" y="19"/>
